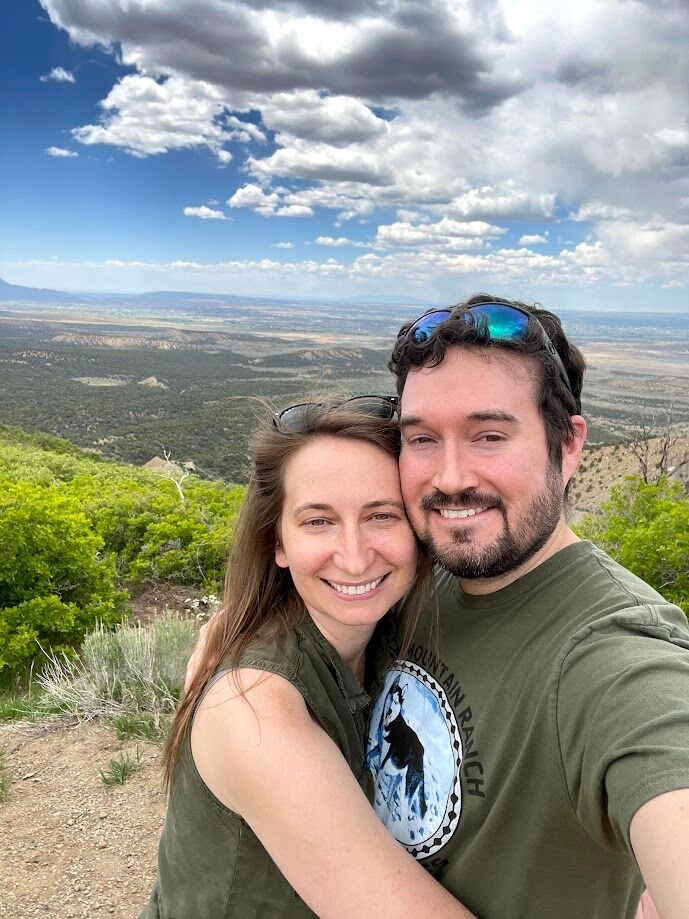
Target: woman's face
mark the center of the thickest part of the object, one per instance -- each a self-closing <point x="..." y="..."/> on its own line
<point x="344" y="534"/>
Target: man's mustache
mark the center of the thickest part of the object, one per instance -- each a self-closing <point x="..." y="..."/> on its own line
<point x="461" y="499"/>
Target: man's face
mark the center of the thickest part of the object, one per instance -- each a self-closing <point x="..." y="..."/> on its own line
<point x="477" y="481"/>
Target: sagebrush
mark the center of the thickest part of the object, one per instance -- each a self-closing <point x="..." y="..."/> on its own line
<point x="132" y="676"/>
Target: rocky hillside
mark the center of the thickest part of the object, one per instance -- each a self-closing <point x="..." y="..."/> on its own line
<point x="602" y="466"/>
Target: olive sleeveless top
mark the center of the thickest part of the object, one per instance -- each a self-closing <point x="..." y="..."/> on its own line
<point x="211" y="865"/>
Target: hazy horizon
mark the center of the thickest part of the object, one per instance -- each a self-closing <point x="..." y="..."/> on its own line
<point x="381" y="299"/>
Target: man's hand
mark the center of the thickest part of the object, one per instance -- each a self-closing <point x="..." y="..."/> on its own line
<point x="193" y="662"/>
<point x="646" y="908"/>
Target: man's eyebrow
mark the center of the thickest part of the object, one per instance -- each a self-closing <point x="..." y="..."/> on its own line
<point x="492" y="414"/>
<point x="408" y="421"/>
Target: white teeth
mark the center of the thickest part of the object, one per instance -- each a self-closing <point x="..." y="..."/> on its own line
<point x="469" y="512"/>
<point x="355" y="589"/>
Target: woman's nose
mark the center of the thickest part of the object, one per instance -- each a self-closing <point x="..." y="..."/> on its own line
<point x="354" y="554"/>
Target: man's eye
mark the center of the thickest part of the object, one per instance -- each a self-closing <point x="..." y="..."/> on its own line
<point x="316" y="522"/>
<point x="419" y="440"/>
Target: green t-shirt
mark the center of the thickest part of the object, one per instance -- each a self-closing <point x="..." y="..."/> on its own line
<point x="211" y="865"/>
<point x="511" y="755"/>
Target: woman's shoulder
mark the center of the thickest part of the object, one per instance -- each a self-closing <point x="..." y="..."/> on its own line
<point x="245" y="689"/>
<point x="298" y="652"/>
<point x="247" y="718"/>
<point x="276" y="648"/>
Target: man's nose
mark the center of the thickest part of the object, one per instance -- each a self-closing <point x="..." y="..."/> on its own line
<point x="455" y="471"/>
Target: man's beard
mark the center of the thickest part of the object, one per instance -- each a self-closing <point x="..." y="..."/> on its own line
<point x="511" y="549"/>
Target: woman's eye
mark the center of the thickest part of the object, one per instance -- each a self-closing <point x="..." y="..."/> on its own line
<point x="316" y="522"/>
<point x="383" y="516"/>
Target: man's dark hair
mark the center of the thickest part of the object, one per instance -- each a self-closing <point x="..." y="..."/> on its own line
<point x="555" y="402"/>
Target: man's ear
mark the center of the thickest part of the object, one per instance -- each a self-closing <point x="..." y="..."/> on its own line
<point x="572" y="448"/>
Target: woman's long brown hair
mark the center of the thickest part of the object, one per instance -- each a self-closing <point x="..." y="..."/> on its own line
<point x="259" y="594"/>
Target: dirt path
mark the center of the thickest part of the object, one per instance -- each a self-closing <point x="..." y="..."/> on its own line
<point x="70" y="846"/>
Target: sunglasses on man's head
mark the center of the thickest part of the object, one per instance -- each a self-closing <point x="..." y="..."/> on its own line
<point x="500" y="321"/>
<point x="296" y="419"/>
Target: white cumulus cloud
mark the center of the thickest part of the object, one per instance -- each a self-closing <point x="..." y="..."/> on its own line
<point x="60" y="152"/>
<point x="307" y="114"/>
<point x="446" y="233"/>
<point x="506" y="201"/>
<point x="204" y="212"/>
<point x="147" y="117"/>
<point x="294" y="210"/>
<point x="598" y="210"/>
<point x="338" y="242"/>
<point x="58" y="75"/>
<point x="254" y="197"/>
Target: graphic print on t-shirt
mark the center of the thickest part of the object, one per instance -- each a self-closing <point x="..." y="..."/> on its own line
<point x="414" y="754"/>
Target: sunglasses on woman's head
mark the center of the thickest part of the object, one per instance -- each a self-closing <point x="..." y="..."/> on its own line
<point x="500" y="321"/>
<point x="300" y="417"/>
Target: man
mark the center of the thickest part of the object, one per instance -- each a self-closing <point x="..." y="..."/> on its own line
<point x="552" y="708"/>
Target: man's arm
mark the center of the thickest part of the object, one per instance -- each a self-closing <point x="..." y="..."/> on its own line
<point x="659" y="834"/>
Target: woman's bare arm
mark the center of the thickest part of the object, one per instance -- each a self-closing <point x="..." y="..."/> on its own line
<point x="263" y="756"/>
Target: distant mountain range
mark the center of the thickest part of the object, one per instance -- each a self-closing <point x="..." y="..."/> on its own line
<point x="171" y="299"/>
<point x="35" y="294"/>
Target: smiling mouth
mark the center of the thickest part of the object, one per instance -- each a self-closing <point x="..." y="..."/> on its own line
<point x="356" y="590"/>
<point x="451" y="514"/>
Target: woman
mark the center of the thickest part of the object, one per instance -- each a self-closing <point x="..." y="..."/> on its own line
<point x="267" y="814"/>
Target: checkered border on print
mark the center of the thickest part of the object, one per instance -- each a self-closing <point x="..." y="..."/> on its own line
<point x="454" y="802"/>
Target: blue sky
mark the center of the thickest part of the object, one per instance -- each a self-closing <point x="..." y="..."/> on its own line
<point x="313" y="148"/>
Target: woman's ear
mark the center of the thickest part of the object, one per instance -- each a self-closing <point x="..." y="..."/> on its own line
<point x="280" y="557"/>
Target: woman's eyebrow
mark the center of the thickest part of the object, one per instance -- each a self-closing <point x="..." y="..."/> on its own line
<point x="318" y="506"/>
<point x="311" y="506"/>
<point x="384" y="502"/>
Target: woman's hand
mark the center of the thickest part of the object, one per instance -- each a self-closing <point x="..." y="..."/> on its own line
<point x="261" y="753"/>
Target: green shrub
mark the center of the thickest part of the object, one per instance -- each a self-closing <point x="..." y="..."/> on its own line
<point x="55" y="583"/>
<point x="138" y="515"/>
<point x="78" y="531"/>
<point x="645" y="527"/>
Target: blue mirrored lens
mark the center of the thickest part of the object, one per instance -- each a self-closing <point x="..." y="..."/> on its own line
<point x="500" y="321"/>
<point x="423" y="328"/>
